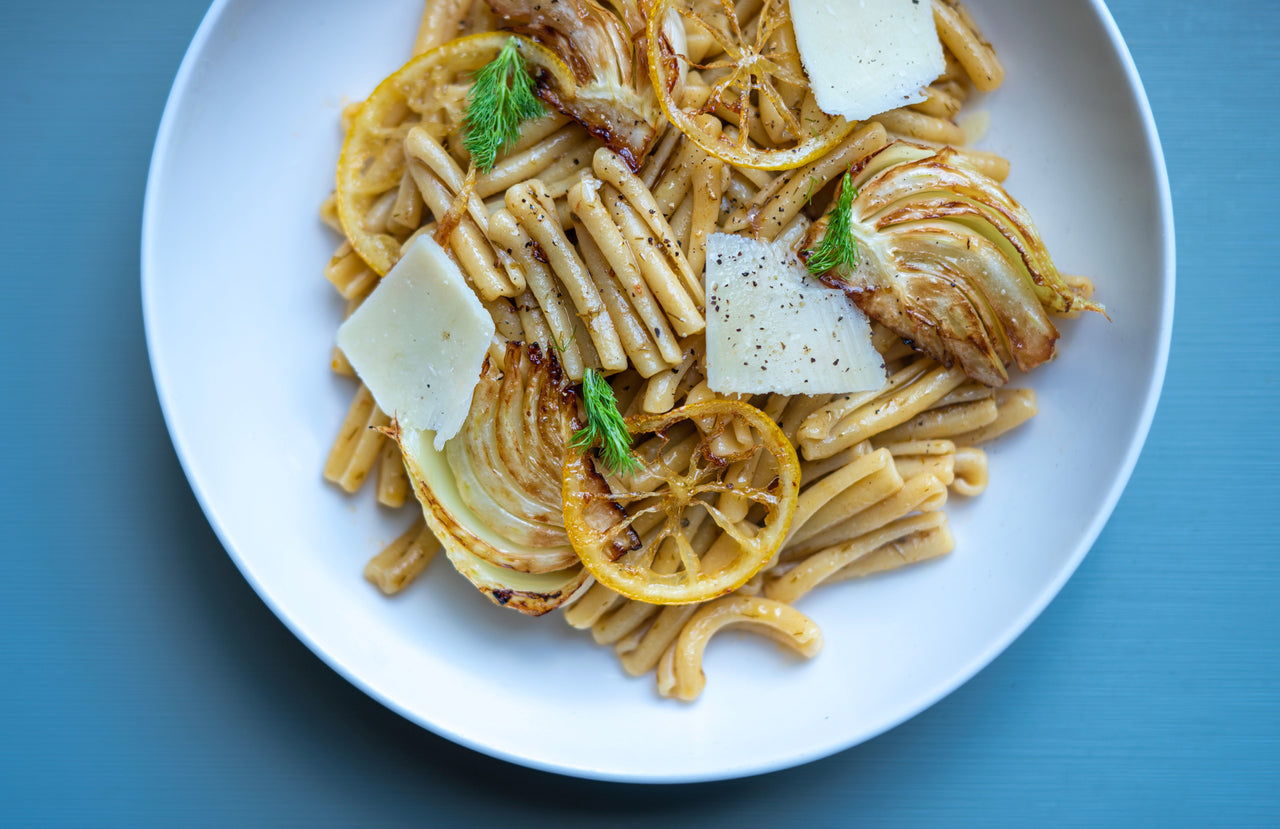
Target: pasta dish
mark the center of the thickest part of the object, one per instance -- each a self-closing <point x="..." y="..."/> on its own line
<point x="664" y="314"/>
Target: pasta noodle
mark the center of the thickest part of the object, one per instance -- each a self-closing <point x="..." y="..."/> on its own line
<point x="634" y="331"/>
<point x="441" y="21"/>
<point x="403" y="560"/>
<point x="680" y="669"/>
<point x="960" y="35"/>
<point x="546" y="290"/>
<point x="775" y="206"/>
<point x="597" y="255"/>
<point x="356" y="448"/>
<point x="393" y="483"/>
<point x="841" y="424"/>
<point x="656" y="266"/>
<point x="606" y="239"/>
<point x="910" y="123"/>
<point x="524" y="163"/>
<point x="791" y="583"/>
<point x="348" y="273"/>
<point x="708" y="188"/>
<point x="613" y="170"/>
<point x="544" y="228"/>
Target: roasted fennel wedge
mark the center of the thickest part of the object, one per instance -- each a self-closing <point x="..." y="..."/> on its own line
<point x="492" y="496"/>
<point x="949" y="261"/>
<point x="604" y="46"/>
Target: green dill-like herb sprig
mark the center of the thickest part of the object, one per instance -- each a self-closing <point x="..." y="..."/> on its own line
<point x="500" y="100"/>
<point x="838" y="248"/>
<point x="604" y="425"/>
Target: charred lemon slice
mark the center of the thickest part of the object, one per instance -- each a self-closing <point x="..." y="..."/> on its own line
<point x="757" y="84"/>
<point x="429" y="90"/>
<point x="688" y="460"/>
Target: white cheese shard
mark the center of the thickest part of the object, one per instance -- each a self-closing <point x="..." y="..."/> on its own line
<point x="864" y="57"/>
<point x="418" y="341"/>
<point x="773" y="329"/>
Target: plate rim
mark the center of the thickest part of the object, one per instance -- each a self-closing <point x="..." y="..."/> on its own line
<point x="1151" y="399"/>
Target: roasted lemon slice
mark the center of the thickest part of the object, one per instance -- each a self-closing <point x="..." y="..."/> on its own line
<point x="428" y="90"/>
<point x="685" y="456"/>
<point x="757" y="84"/>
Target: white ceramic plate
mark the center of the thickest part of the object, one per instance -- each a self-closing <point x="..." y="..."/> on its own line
<point x="240" y="322"/>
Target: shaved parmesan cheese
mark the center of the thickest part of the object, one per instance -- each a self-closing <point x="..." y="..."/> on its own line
<point x="418" y="341"/>
<point x="864" y="57"/>
<point x="771" y="328"/>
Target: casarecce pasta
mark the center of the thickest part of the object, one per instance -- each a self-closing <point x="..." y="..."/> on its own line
<point x="586" y="241"/>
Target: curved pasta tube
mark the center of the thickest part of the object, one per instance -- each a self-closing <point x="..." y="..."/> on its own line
<point x="913" y="549"/>
<point x="359" y="441"/>
<point x="625" y="621"/>
<point x="773" y="208"/>
<point x="635" y="336"/>
<point x="1013" y="408"/>
<point x="971" y="471"/>
<point x="708" y="190"/>
<point x="348" y="273"/>
<point x="406" y="209"/>
<point x="533" y="132"/>
<point x="909" y="123"/>
<point x="797" y="411"/>
<point x="923" y="492"/>
<point x="925" y="457"/>
<point x="660" y="392"/>
<point x="419" y="144"/>
<point x="673" y="184"/>
<point x="968" y="392"/>
<point x="680" y="669"/>
<point x="658" y="158"/>
<point x="613" y="170"/>
<point x="682" y="219"/>
<point x="822" y="565"/>
<point x="512" y="239"/>
<point x="529" y="162"/>
<point x="681" y="307"/>
<point x="404" y="559"/>
<point x="730" y="442"/>
<point x="960" y="34"/>
<point x="737" y="191"/>
<point x="814" y="470"/>
<point x="855" y="418"/>
<point x="565" y="172"/>
<point x="584" y="201"/>
<point x="854" y="481"/>
<point x="943" y="101"/>
<point x="533" y="323"/>
<point x="377" y="218"/>
<point x="472" y="249"/>
<point x="876" y="481"/>
<point x="591" y="606"/>
<point x="440" y="22"/>
<point x="944" y="421"/>
<point x="329" y="211"/>
<point x="641" y="652"/>
<point x="392" y="486"/>
<point x="543" y="226"/>
<point x="507" y="329"/>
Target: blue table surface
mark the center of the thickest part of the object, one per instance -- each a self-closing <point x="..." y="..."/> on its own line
<point x="144" y="683"/>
